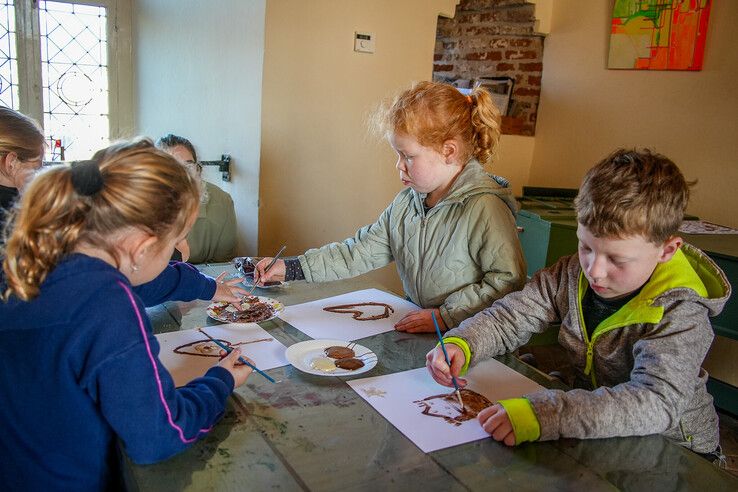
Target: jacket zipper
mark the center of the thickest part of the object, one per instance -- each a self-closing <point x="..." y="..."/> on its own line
<point x="589" y="365"/>
<point x="418" y="281"/>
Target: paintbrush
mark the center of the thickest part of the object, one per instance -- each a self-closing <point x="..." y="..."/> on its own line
<point x="229" y="350"/>
<point x="270" y="265"/>
<point x="445" y="354"/>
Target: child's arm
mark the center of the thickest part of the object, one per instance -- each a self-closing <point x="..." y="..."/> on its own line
<point x="137" y="395"/>
<point x="368" y="250"/>
<point x="512" y="320"/>
<point x="495" y="248"/>
<point x="510" y="421"/>
<point x="665" y="374"/>
<point x="183" y="282"/>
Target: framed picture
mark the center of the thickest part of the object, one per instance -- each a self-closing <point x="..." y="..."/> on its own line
<point x="501" y="89"/>
<point x="662" y="35"/>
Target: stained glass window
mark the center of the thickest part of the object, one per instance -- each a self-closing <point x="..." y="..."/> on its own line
<point x="74" y="73"/>
<point x="8" y="56"/>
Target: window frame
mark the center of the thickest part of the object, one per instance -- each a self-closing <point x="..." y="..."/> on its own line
<point x="120" y="62"/>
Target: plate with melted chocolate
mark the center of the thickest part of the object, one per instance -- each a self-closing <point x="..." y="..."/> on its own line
<point x="251" y="309"/>
<point x="331" y="357"/>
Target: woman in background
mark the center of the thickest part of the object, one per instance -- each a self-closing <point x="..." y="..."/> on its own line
<point x="213" y="237"/>
<point x="21" y="154"/>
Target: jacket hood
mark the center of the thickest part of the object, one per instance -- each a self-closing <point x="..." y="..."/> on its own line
<point x="474" y="180"/>
<point x="690" y="273"/>
<point x="692" y="269"/>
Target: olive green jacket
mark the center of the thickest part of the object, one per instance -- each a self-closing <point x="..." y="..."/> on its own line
<point x="460" y="256"/>
<point x="640" y="371"/>
<point x="213" y="235"/>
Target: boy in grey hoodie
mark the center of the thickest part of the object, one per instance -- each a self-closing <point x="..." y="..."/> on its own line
<point x="634" y="306"/>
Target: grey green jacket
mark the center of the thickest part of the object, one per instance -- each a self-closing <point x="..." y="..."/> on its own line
<point x="461" y="256"/>
<point x="640" y="372"/>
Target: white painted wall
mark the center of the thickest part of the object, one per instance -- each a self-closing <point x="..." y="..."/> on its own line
<point x="512" y="160"/>
<point x="198" y="74"/>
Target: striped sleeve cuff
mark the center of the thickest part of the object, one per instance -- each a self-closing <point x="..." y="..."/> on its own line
<point x="461" y="343"/>
<point x="523" y="419"/>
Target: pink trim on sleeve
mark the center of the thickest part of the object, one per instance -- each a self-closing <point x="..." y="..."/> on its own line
<point x="185" y="264"/>
<point x="156" y="370"/>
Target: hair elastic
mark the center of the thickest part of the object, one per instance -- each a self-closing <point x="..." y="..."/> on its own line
<point x="86" y="177"/>
<point x="469" y="99"/>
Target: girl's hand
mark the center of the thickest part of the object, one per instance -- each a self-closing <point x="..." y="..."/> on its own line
<point x="420" y="321"/>
<point x="436" y="364"/>
<point x="275" y="274"/>
<point x="496" y="422"/>
<point x="184" y="249"/>
<point x="229" y="290"/>
<point x="238" y="369"/>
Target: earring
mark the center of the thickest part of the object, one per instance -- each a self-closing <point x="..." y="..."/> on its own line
<point x="134" y="268"/>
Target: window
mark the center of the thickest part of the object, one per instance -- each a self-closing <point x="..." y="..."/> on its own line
<point x="8" y="59"/>
<point x="60" y="63"/>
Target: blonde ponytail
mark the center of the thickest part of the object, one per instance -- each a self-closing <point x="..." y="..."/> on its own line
<point x="486" y="123"/>
<point x="45" y="225"/>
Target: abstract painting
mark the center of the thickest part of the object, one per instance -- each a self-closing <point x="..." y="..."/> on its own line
<point x="658" y="34"/>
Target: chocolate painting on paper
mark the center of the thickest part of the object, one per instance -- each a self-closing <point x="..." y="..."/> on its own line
<point x="446" y="406"/>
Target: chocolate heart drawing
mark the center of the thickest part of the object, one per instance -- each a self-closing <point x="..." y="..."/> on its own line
<point x="359" y="314"/>
<point x="207" y="348"/>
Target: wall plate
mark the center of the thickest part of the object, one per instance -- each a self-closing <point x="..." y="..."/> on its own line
<point x="364" y="42"/>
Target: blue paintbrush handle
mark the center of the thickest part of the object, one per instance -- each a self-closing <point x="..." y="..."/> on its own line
<point x="443" y="347"/>
<point x="229" y="350"/>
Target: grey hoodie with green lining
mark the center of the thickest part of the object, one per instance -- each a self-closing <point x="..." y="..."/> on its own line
<point x="460" y="256"/>
<point x="641" y="371"/>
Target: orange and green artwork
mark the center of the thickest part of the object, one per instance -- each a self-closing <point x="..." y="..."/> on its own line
<point x="658" y="34"/>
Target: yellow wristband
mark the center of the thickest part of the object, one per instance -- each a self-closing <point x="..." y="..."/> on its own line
<point x="523" y="419"/>
<point x="461" y="343"/>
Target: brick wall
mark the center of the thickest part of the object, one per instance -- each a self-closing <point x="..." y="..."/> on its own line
<point x="494" y="38"/>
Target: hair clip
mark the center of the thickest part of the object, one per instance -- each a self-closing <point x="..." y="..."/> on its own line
<point x="86" y="177"/>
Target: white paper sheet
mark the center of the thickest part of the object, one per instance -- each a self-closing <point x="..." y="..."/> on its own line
<point x="310" y="318"/>
<point x="395" y="396"/>
<point x="255" y="343"/>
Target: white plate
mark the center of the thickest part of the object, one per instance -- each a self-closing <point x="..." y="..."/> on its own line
<point x="278" y="307"/>
<point x="302" y="354"/>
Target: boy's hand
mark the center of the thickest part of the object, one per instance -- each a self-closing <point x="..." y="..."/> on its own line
<point x="420" y="321"/>
<point x="275" y="274"/>
<point x="228" y="290"/>
<point x="495" y="421"/>
<point x="436" y="364"/>
<point x="238" y="370"/>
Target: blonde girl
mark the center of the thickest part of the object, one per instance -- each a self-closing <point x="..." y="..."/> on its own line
<point x="451" y="231"/>
<point x="79" y="367"/>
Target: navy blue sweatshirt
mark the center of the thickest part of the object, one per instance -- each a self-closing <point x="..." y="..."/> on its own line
<point x="79" y="367"/>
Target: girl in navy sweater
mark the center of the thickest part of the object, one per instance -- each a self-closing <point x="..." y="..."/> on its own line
<point x="79" y="366"/>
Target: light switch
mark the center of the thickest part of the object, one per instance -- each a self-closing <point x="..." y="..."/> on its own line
<point x="364" y="42"/>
